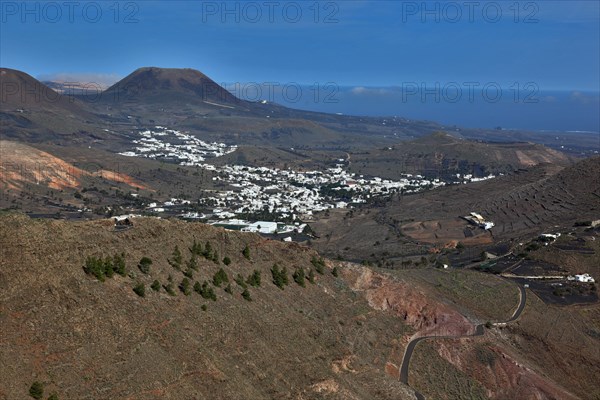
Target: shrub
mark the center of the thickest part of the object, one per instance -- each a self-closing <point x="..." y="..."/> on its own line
<point x="299" y="277"/>
<point x="176" y="258"/>
<point x="155" y="286"/>
<point x="205" y="291"/>
<point x="119" y="264"/>
<point x="196" y="249"/>
<point x="226" y="260"/>
<point x="280" y="278"/>
<point x="311" y="276"/>
<point x="239" y="279"/>
<point x="228" y="289"/>
<point x="189" y="273"/>
<point x="184" y="286"/>
<point x="319" y="264"/>
<point x="170" y="289"/>
<point x="246" y="252"/>
<point x="108" y="267"/>
<point x="246" y="295"/>
<point x="140" y="289"/>
<point x="204" y="307"/>
<point x="95" y="266"/>
<point x="284" y="276"/>
<point x="254" y="279"/>
<point x="335" y="272"/>
<point x="36" y="390"/>
<point x="215" y="257"/>
<point x="144" y="265"/>
<point x="207" y="253"/>
<point x="192" y="263"/>
<point x="220" y="277"/>
<point x="53" y="396"/>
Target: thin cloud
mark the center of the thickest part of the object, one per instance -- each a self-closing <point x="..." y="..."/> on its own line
<point x="584" y="98"/>
<point x="362" y="90"/>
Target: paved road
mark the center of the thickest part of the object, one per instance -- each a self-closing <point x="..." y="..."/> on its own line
<point x="521" y="307"/>
<point x="479" y="330"/>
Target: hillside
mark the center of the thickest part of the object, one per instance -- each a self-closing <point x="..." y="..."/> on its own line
<point x="58" y="180"/>
<point x="32" y="112"/>
<point x="441" y="154"/>
<point x="20" y="90"/>
<point x="341" y="337"/>
<point x="521" y="204"/>
<point x="86" y="339"/>
<point x="25" y="165"/>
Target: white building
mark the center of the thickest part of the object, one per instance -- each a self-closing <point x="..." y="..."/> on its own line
<point x="586" y="278"/>
<point x="262" y="227"/>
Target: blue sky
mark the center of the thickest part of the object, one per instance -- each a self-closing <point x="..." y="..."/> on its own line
<point x="385" y="43"/>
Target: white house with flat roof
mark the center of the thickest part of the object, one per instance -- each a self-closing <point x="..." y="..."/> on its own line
<point x="261" y="227"/>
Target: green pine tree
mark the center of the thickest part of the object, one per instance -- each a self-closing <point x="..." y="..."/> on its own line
<point x="119" y="264"/>
<point x="228" y="289"/>
<point x="176" y="258"/>
<point x="170" y="289"/>
<point x="140" y="289"/>
<point x="196" y="249"/>
<point x="208" y="251"/>
<point x="254" y="279"/>
<point x="192" y="263"/>
<point x="184" y="286"/>
<point x="299" y="277"/>
<point x="239" y="279"/>
<point x="95" y="266"/>
<point x="36" y="390"/>
<point x="246" y="252"/>
<point x="189" y="273"/>
<point x="144" y="265"/>
<point x="246" y="295"/>
<point x="220" y="277"/>
<point x="311" y="276"/>
<point x="280" y="278"/>
<point x="319" y="264"/>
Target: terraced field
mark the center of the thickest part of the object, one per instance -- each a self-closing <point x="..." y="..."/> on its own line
<point x="565" y="196"/>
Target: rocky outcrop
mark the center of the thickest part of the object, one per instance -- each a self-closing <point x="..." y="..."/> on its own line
<point x="426" y="315"/>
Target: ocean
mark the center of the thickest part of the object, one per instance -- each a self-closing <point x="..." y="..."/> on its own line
<point x="515" y="107"/>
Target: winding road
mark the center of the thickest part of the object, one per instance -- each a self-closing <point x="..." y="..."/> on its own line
<point x="479" y="331"/>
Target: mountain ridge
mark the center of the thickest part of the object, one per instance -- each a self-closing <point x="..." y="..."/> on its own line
<point x="180" y="85"/>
